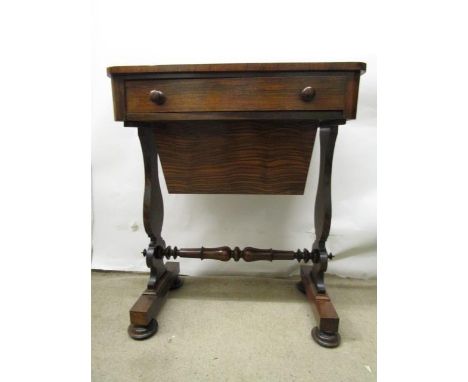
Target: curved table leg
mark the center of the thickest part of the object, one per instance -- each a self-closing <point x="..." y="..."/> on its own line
<point x="163" y="277"/>
<point x="313" y="277"/>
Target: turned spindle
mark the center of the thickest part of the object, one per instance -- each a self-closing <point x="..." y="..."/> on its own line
<point x="225" y="253"/>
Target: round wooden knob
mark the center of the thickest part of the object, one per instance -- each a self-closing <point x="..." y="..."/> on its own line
<point x="308" y="94"/>
<point x="157" y="97"/>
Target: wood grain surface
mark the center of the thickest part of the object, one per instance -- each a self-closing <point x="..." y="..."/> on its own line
<point x="142" y="119"/>
<point x="235" y="157"/>
<point x="200" y="68"/>
<point x="235" y="129"/>
<point x="236" y="94"/>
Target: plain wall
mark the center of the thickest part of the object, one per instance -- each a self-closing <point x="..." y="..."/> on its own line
<point x="149" y="32"/>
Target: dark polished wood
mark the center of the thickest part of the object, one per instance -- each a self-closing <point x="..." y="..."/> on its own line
<point x="323" y="202"/>
<point x="231" y="157"/>
<point x="326" y="333"/>
<point x="236" y="94"/>
<point x="153" y="208"/>
<point x="323" y="206"/>
<point x="225" y="254"/>
<point x="318" y="117"/>
<point x="143" y="323"/>
<point x="157" y="96"/>
<point x="360" y="67"/>
<point x="235" y="129"/>
<point x="235" y="88"/>
<point x="308" y="93"/>
<point x="163" y="277"/>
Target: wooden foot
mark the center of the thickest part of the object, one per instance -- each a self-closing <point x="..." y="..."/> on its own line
<point x="300" y="287"/>
<point x="143" y="314"/>
<point x="326" y="334"/>
<point x="327" y="340"/>
<point x="177" y="283"/>
<point x="138" y="332"/>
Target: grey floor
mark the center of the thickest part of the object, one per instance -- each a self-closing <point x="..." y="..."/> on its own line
<point x="232" y="329"/>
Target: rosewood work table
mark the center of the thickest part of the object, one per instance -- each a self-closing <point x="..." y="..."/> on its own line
<point x="235" y="129"/>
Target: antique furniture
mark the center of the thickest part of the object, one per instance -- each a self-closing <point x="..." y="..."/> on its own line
<point x="235" y="129"/>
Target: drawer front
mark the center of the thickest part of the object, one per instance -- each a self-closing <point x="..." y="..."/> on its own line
<point x="236" y="94"/>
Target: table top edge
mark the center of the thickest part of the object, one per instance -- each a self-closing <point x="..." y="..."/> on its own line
<point x="252" y="67"/>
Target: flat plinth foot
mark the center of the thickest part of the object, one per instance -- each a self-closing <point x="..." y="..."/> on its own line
<point x="143" y="313"/>
<point x="326" y="331"/>
<point x="300" y="287"/>
<point x="327" y="340"/>
<point x="138" y="332"/>
<point x="177" y="283"/>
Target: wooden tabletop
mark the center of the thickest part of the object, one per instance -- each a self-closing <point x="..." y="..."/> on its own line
<point x="293" y="66"/>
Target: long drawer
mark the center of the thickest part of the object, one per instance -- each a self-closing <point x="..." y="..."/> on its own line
<point x="291" y="93"/>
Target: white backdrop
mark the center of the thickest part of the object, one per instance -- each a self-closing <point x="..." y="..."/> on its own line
<point x="173" y="33"/>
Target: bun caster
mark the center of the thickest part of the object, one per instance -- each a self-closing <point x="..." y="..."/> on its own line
<point x="178" y="282"/>
<point x="300" y="287"/>
<point x="138" y="332"/>
<point x="327" y="340"/>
